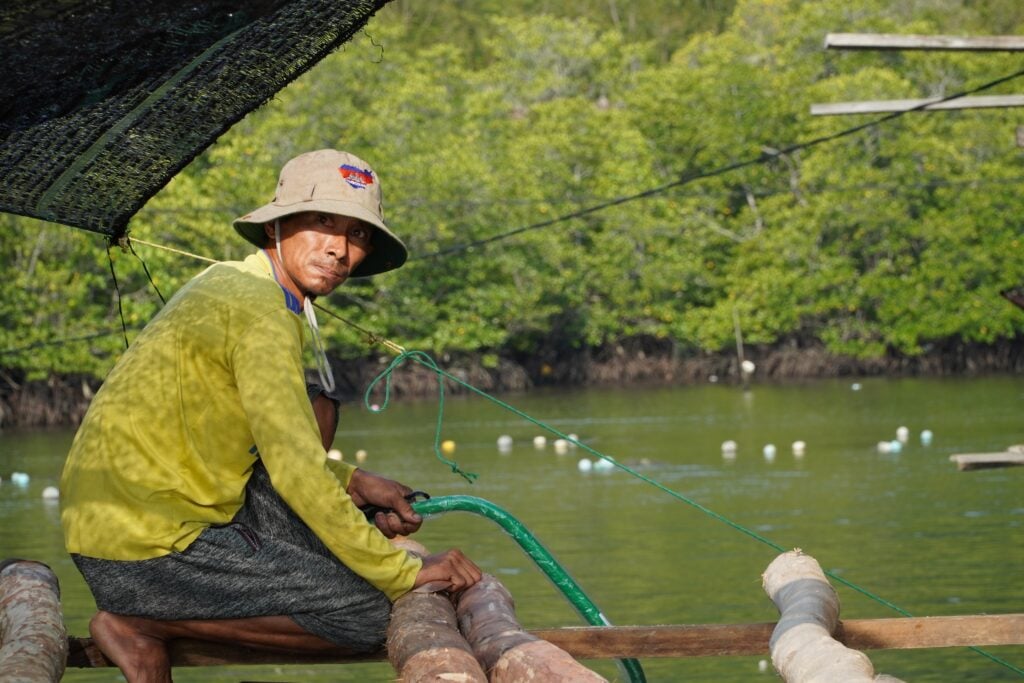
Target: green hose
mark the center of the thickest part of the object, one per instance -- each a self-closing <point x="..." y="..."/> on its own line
<point x="538" y="553"/>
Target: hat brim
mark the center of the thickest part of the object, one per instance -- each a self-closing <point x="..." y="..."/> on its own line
<point x="388" y="251"/>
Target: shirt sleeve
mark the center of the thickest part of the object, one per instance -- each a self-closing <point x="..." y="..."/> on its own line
<point x="267" y="366"/>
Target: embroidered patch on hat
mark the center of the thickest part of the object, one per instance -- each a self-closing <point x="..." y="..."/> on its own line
<point x="358" y="178"/>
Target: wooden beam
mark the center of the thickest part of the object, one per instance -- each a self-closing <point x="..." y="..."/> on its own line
<point x="617" y="642"/>
<point x="705" y="640"/>
<point x="981" y="461"/>
<point x="889" y="106"/>
<point x="893" y="41"/>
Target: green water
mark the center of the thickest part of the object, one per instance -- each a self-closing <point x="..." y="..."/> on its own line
<point x="907" y="527"/>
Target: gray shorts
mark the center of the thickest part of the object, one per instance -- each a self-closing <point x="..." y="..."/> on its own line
<point x="266" y="562"/>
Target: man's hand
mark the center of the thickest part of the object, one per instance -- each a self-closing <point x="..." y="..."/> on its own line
<point x="452" y="571"/>
<point x="367" y="488"/>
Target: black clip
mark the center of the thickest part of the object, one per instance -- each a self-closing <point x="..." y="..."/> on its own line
<point x="371" y="510"/>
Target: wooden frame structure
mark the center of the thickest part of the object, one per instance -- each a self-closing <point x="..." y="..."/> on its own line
<point x="890" y="41"/>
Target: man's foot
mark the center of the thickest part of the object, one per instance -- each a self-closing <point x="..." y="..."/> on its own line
<point x="141" y="655"/>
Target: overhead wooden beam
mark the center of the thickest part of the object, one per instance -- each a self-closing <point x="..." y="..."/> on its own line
<point x="618" y="642"/>
<point x="937" y="103"/>
<point x="893" y="41"/>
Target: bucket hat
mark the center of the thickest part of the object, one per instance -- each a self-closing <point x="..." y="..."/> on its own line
<point x="334" y="182"/>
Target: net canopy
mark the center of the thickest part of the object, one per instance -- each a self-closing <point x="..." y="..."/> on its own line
<point x="104" y="101"/>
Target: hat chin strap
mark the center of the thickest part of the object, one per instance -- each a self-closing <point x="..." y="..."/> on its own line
<point x="323" y="366"/>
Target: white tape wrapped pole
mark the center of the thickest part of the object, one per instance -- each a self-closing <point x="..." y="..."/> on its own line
<point x="803" y="649"/>
<point x="33" y="641"/>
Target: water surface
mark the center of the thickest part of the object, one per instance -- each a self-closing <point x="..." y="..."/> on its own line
<point x="907" y="527"/>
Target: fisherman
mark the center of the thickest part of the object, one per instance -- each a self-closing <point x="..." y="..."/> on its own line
<point x="161" y="513"/>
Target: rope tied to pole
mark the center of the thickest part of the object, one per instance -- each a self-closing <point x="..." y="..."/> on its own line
<point x="425" y="360"/>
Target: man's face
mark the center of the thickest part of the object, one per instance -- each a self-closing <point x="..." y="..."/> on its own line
<point x="319" y="250"/>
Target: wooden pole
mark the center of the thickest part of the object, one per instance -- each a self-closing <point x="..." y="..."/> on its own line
<point x="928" y="104"/>
<point x="33" y="642"/>
<point x="620" y="642"/>
<point x="424" y="643"/>
<point x="508" y="653"/>
<point x="802" y="646"/>
<point x="893" y="41"/>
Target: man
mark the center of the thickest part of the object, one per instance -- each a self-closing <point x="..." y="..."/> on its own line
<point x="160" y="510"/>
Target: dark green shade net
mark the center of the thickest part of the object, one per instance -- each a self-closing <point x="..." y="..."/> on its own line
<point x="104" y="102"/>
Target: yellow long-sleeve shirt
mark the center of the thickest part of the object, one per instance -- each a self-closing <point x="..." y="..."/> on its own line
<point x="164" y="449"/>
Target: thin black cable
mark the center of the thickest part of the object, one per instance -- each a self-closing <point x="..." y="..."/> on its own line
<point x="117" y="288"/>
<point x="764" y="157"/>
<point x="151" y="281"/>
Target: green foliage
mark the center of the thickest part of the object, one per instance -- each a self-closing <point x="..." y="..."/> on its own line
<point x="484" y="120"/>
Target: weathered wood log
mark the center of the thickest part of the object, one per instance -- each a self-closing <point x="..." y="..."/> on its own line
<point x="424" y="643"/>
<point x="33" y="642"/>
<point x="803" y="649"/>
<point x="509" y="654"/>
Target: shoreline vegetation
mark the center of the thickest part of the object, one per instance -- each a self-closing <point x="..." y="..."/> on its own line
<point x="60" y="400"/>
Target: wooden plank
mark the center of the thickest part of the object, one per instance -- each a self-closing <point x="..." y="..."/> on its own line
<point x="752" y="639"/>
<point x="893" y="41"/>
<point x="890" y="106"/>
<point x="617" y="642"/>
<point x="981" y="461"/>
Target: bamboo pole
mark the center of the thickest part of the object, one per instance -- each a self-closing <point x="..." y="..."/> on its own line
<point x="802" y="646"/>
<point x="507" y="652"/>
<point x="33" y="642"/>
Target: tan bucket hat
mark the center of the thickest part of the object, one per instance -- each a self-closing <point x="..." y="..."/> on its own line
<point x="333" y="182"/>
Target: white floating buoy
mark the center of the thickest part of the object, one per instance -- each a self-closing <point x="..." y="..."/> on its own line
<point x="504" y="442"/>
<point x="748" y="367"/>
<point x="19" y="479"/>
<point x="448" y="446"/>
<point x="51" y="493"/>
<point x="902" y="434"/>
<point x="729" y="449"/>
<point x="539" y="442"/>
<point x="855" y="386"/>
<point x="895" y="446"/>
<point x="561" y="446"/>
<point x="769" y="452"/>
<point x="884" y="447"/>
<point x="799" y="448"/>
<point x="926" y="437"/>
<point x="762" y="665"/>
<point x="334" y="454"/>
<point x="573" y="440"/>
<point x="584" y="465"/>
<point x="361" y="455"/>
<point x="713" y="379"/>
<point x="603" y="465"/>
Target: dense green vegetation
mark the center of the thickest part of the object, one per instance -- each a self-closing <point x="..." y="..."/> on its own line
<point x="486" y="117"/>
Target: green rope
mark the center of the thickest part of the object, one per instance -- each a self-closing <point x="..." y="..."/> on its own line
<point x="425" y="360"/>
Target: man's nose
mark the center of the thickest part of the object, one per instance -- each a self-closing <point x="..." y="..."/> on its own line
<point x="338" y="247"/>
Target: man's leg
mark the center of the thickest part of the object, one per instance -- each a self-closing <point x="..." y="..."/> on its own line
<point x="139" y="646"/>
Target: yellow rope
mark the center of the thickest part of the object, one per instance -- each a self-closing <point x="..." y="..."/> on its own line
<point x="136" y="240"/>
<point x="371" y="337"/>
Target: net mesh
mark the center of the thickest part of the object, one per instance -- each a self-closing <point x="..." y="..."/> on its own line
<point x="104" y="102"/>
